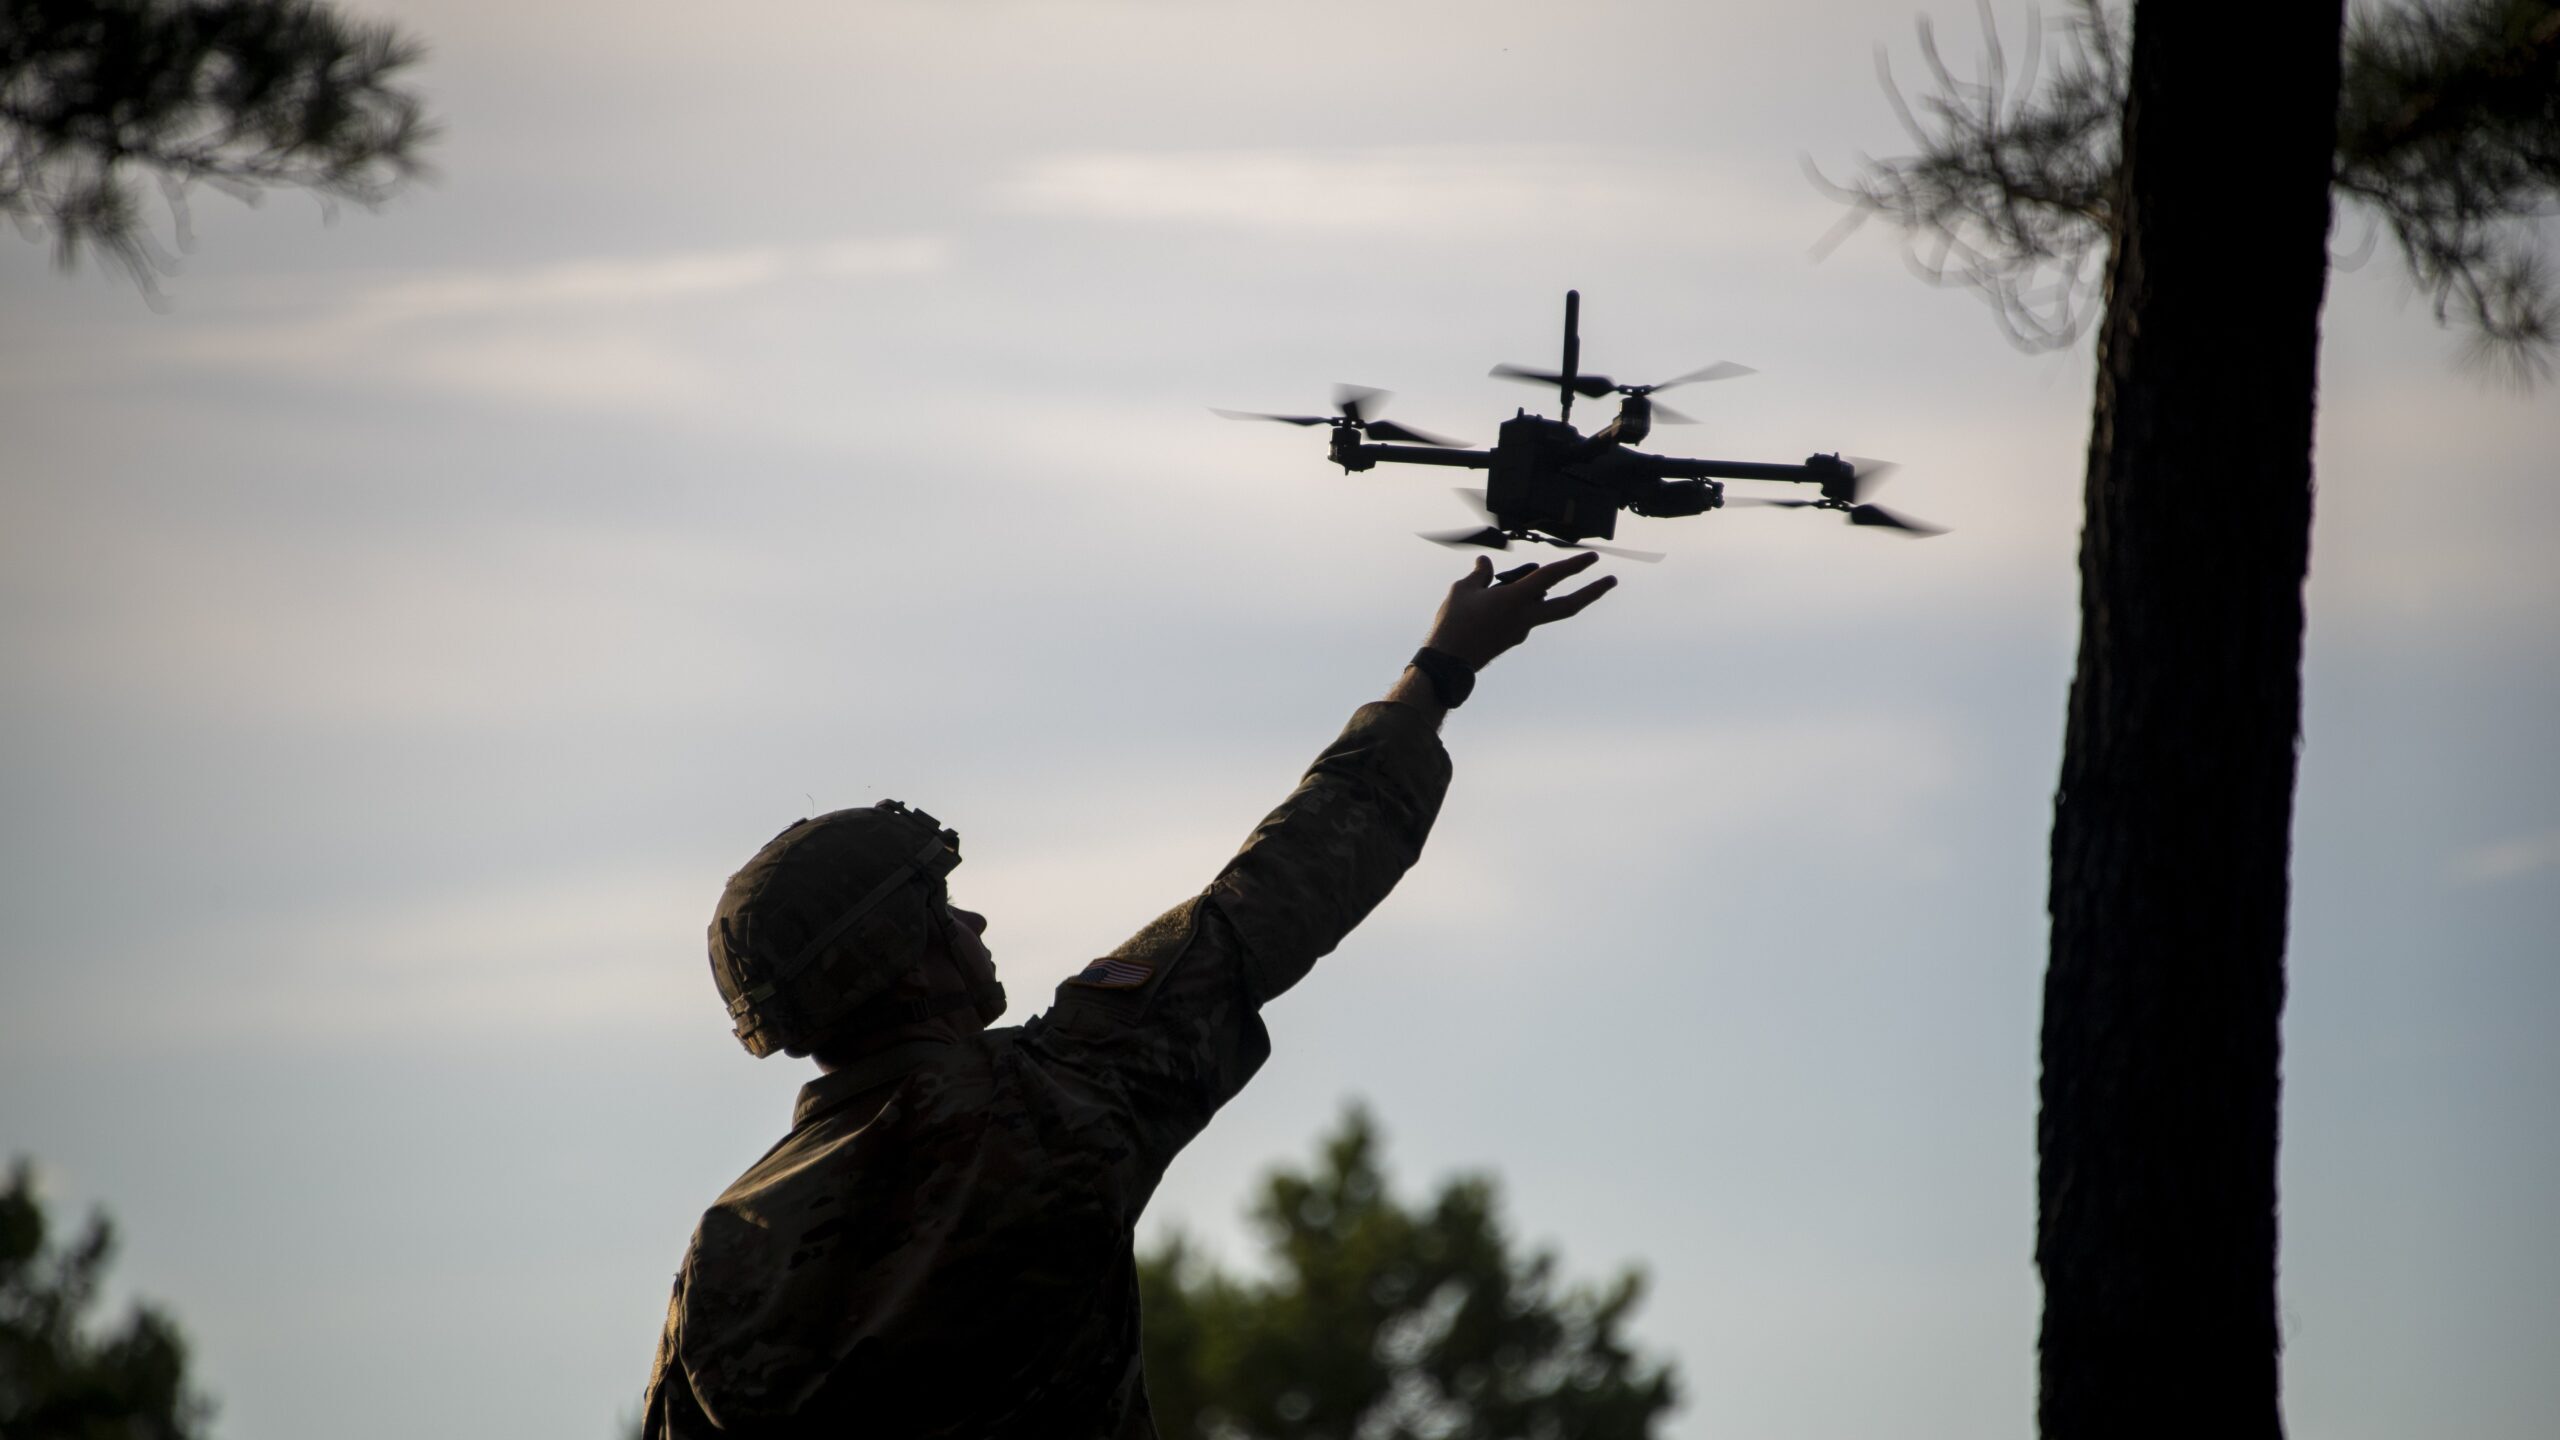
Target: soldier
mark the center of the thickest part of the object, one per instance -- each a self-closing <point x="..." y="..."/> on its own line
<point x="942" y="1244"/>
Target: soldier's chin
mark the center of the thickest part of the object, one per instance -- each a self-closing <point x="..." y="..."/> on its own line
<point x="987" y="998"/>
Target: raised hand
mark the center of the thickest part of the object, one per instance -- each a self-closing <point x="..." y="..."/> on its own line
<point x="1486" y="614"/>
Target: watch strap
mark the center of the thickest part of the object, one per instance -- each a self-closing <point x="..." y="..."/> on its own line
<point x="1452" y="679"/>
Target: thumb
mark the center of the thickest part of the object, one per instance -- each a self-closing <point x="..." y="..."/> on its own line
<point x="1480" y="576"/>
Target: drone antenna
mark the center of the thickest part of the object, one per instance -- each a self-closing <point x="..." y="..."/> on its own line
<point x="1572" y="350"/>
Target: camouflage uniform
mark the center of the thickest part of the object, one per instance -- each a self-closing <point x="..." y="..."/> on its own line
<point x="942" y="1246"/>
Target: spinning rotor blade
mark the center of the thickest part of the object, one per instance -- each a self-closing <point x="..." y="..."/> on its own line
<point x="1647" y="556"/>
<point x="1874" y="515"/>
<point x="1474" y="496"/>
<point x="1283" y="419"/>
<point x="1880" y="516"/>
<point x="1589" y="387"/>
<point x="1390" y="430"/>
<point x="1721" y="370"/>
<point x="1492" y="539"/>
<point x="1358" y="403"/>
<point x="1354" y="401"/>
<point x="1667" y="415"/>
<point x="1866" y="473"/>
<point x="1594" y="386"/>
<point x="1487" y="536"/>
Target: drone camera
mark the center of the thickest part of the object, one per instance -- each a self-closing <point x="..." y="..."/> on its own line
<point x="1672" y="498"/>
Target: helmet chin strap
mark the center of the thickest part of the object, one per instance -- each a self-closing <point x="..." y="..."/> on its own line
<point x="890" y="1014"/>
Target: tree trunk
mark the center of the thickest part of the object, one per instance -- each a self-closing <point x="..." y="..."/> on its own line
<point x="2156" y="1233"/>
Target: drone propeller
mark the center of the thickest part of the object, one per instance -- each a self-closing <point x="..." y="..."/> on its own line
<point x="1849" y="498"/>
<point x="1721" y="370"/>
<point x="1864" y="473"/>
<point x="1283" y="419"/>
<point x="1492" y="536"/>
<point x="1589" y="387"/>
<point x="1353" y="405"/>
<point x="1484" y="535"/>
<point x="1875" y="515"/>
<point x="1390" y="430"/>
<point x="1592" y="387"/>
<point x="1493" y="539"/>
<point x="1649" y="557"/>
<point x="1880" y="516"/>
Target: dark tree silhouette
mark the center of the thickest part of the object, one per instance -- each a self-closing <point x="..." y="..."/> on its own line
<point x="2196" y="153"/>
<point x="1389" y="1323"/>
<point x="242" y="95"/>
<point x="60" y="1380"/>
<point x="2157" y="1137"/>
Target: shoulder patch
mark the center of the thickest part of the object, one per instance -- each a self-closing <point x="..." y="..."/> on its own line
<point x="1113" y="973"/>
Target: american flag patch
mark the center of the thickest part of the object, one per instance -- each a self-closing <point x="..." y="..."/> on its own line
<point x="1114" y="974"/>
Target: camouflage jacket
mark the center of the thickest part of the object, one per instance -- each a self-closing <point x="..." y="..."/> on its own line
<point x="942" y="1246"/>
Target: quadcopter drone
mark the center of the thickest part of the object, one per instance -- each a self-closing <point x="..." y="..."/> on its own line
<point x="1550" y="483"/>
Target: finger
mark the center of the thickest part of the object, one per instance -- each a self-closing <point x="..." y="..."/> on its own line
<point x="1547" y="577"/>
<point x="1565" y="607"/>
<point x="1478" y="576"/>
<point x="1514" y="573"/>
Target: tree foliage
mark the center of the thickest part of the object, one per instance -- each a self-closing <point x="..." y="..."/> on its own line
<point x="242" y="95"/>
<point x="2449" y="132"/>
<point x="1384" y="1322"/>
<point x="60" y="1379"/>
<point x="2448" y="140"/>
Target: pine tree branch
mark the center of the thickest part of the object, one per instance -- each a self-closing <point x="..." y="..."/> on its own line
<point x="245" y="96"/>
<point x="2448" y="134"/>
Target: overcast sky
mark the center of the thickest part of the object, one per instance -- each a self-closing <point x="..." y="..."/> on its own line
<point x="776" y="408"/>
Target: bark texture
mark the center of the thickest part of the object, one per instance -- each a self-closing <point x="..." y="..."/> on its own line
<point x="2156" y="1233"/>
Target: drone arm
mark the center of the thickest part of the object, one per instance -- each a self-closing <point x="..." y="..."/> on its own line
<point x="1671" y="467"/>
<point x="1422" y="455"/>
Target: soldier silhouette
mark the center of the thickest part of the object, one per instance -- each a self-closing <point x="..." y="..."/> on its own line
<point x="943" y="1244"/>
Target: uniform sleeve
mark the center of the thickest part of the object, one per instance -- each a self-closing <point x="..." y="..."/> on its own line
<point x="1172" y="1015"/>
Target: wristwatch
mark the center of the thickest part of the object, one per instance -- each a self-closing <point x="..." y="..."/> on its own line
<point x="1452" y="679"/>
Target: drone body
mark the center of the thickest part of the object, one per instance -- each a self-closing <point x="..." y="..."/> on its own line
<point x="1550" y="483"/>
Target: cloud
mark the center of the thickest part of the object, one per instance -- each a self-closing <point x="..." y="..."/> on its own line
<point x="1856" y="786"/>
<point x="604" y="950"/>
<point x="1406" y="189"/>
<point x="2435" y="510"/>
<point x="595" y="332"/>
<point x="2505" y="860"/>
<point x="577" y="282"/>
<point x="621" y="281"/>
<point x="232" y="623"/>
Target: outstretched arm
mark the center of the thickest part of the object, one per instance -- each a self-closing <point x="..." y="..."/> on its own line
<point x="1317" y="865"/>
<point x="1172" y="1015"/>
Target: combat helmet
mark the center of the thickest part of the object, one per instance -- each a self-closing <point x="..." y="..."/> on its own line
<point x="814" y="934"/>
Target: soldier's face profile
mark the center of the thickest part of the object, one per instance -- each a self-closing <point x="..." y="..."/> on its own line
<point x="968" y="946"/>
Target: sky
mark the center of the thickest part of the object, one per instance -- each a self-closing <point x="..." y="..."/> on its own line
<point x="773" y="409"/>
